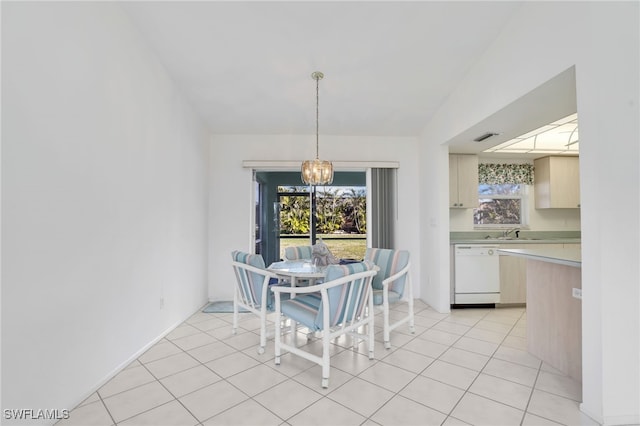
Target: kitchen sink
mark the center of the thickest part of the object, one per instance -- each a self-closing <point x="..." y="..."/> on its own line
<point x="511" y="239"/>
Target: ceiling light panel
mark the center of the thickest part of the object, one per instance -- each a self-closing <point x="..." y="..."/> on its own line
<point x="561" y="136"/>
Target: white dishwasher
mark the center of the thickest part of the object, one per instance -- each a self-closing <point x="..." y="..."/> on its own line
<point x="477" y="274"/>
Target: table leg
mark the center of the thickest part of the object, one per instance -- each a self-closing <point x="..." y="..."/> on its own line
<point x="294" y="280"/>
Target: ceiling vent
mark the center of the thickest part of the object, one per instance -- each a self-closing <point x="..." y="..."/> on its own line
<point x="485" y="137"/>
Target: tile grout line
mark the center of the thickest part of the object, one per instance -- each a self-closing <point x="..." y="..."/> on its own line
<point x="350" y="372"/>
<point x="252" y="398"/>
<point x="175" y="398"/>
<point x="526" y="410"/>
<point x="419" y="374"/>
<point x="447" y="415"/>
<point x="106" y="408"/>
<point x="249" y="397"/>
<point x="158" y="380"/>
<point x="473" y="381"/>
<point x="467" y="390"/>
<point x="366" y="418"/>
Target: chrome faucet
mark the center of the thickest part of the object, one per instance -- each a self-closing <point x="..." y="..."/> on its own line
<point x="508" y="231"/>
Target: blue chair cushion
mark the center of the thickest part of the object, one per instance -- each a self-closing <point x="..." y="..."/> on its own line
<point x="377" y="297"/>
<point x="307" y="309"/>
<point x="303" y="309"/>
<point x="333" y="272"/>
<point x="297" y="252"/>
<point x="390" y="262"/>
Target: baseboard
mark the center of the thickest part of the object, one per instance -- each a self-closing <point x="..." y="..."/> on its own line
<point x="592" y="416"/>
<point x="473" y="305"/>
<point x="630" y="420"/>
<point x="511" y="305"/>
<point x="132" y="358"/>
<point x="622" y="420"/>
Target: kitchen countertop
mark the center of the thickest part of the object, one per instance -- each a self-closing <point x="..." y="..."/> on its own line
<point x="562" y="256"/>
<point x="499" y="240"/>
<point x="526" y="237"/>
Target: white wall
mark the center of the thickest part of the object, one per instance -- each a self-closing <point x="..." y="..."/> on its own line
<point x="602" y="40"/>
<point x="104" y="201"/>
<point x="230" y="184"/>
<point x="434" y="214"/>
<point x="104" y="191"/>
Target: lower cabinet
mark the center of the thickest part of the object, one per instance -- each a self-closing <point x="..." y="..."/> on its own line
<point x="513" y="271"/>
<point x="513" y="274"/>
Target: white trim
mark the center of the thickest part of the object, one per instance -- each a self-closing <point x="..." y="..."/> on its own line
<point x="630" y="419"/>
<point x="523" y="196"/>
<point x="252" y="213"/>
<point x="369" y="207"/>
<point x="594" y="416"/>
<point x="123" y="365"/>
<point x="267" y="165"/>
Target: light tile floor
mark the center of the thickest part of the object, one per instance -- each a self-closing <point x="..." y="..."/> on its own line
<point x="468" y="367"/>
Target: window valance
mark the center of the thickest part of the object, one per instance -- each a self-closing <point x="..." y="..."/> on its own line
<point x="495" y="174"/>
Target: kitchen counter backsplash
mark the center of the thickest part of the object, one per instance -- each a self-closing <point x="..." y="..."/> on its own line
<point x="524" y="236"/>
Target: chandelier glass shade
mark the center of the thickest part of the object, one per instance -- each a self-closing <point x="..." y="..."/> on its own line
<point x="317" y="172"/>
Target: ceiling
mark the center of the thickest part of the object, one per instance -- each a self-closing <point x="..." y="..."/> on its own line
<point x="547" y="103"/>
<point x="559" y="137"/>
<point x="246" y="66"/>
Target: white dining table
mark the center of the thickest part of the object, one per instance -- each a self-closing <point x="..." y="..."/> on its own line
<point x="297" y="270"/>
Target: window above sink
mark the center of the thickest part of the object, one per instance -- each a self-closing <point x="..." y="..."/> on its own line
<point x="501" y="205"/>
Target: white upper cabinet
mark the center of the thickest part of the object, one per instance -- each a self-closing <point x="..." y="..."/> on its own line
<point x="557" y="182"/>
<point x="463" y="181"/>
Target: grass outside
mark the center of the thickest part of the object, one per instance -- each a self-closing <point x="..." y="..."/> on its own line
<point x="343" y="246"/>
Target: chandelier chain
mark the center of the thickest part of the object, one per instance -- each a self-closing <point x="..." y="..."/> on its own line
<point x="317" y="172"/>
<point x="317" y="77"/>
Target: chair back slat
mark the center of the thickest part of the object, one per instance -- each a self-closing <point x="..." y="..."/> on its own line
<point x="245" y="287"/>
<point x="349" y="307"/>
<point x="344" y="306"/>
<point x="365" y="289"/>
<point x="356" y="303"/>
<point x="251" y="290"/>
<point x="249" y="283"/>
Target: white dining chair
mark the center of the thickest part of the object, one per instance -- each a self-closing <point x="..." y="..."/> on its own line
<point x="343" y="304"/>
<point x="252" y="290"/>
<point x="392" y="286"/>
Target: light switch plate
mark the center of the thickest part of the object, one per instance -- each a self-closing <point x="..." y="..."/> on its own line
<point x="577" y="293"/>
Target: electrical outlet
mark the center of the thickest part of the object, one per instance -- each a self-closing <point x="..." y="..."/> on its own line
<point x="162" y="303"/>
<point x="577" y="293"/>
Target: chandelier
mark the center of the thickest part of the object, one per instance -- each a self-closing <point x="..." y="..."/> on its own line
<point x="317" y="172"/>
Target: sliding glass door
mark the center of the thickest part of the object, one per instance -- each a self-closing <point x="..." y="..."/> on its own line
<point x="293" y="214"/>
